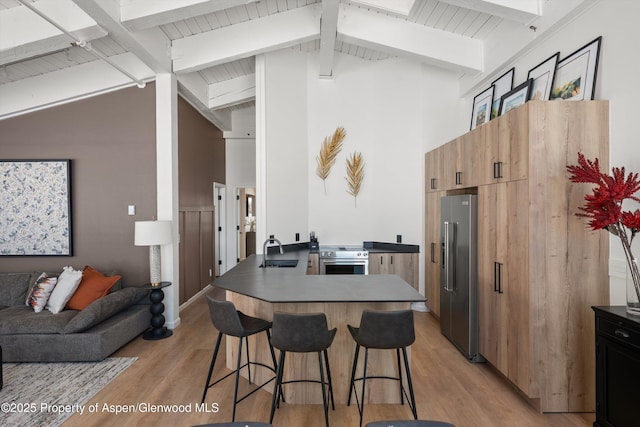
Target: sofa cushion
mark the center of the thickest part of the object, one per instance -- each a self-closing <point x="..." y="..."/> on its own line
<point x="23" y="320"/>
<point x="14" y="287"/>
<point x="104" y="308"/>
<point x="68" y="282"/>
<point x="94" y="285"/>
<point x="40" y="291"/>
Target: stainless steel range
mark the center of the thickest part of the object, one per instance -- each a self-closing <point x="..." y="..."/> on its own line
<point x="344" y="260"/>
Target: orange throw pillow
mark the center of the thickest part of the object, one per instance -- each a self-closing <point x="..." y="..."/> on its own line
<point x="94" y="285"/>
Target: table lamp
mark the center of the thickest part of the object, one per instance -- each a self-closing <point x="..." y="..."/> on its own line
<point x="153" y="234"/>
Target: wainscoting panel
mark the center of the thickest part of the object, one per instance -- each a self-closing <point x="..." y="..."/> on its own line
<point x="197" y="253"/>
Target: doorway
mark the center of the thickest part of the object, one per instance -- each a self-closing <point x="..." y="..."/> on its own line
<point x="246" y="200"/>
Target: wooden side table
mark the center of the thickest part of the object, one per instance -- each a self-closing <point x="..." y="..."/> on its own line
<point x="157" y="331"/>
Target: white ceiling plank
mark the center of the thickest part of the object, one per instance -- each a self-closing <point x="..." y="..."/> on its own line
<point x="328" y="32"/>
<point x="523" y="11"/>
<point x="67" y="85"/>
<point x="232" y="92"/>
<point x="140" y="14"/>
<point x="402" y="38"/>
<point x="150" y="46"/>
<point x="24" y="34"/>
<point x="231" y="99"/>
<point x="238" y="41"/>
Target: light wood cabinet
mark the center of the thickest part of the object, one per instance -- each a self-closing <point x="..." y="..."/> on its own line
<point x="540" y="268"/>
<point x="432" y="256"/>
<point x="433" y="169"/>
<point x="313" y="263"/>
<point x="401" y="264"/>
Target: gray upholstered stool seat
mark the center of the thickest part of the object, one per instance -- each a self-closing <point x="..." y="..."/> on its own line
<point x="390" y="330"/>
<point x="228" y="321"/>
<point x="303" y="333"/>
<point x="409" y="423"/>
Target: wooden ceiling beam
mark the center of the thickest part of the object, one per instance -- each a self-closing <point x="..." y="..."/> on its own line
<point x="232" y="92"/>
<point x="245" y="39"/>
<point x="406" y="39"/>
<point x="142" y="14"/>
<point x="328" y="33"/>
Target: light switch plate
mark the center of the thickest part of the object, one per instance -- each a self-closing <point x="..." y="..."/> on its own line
<point x="131" y="209"/>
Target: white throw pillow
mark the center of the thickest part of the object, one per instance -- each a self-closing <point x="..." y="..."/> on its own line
<point x="67" y="284"/>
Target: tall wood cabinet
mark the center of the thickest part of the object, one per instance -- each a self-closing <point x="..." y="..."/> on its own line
<point x="540" y="269"/>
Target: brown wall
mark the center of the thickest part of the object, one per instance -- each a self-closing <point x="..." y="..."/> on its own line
<point x="111" y="141"/>
<point x="201" y="159"/>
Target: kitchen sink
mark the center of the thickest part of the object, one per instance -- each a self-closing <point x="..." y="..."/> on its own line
<point x="281" y="263"/>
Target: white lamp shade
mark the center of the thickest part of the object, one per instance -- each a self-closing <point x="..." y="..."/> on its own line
<point x="150" y="233"/>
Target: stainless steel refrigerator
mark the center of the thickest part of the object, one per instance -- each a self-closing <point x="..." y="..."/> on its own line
<point x="458" y="276"/>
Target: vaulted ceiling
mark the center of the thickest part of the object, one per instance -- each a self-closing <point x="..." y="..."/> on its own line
<point x="211" y="45"/>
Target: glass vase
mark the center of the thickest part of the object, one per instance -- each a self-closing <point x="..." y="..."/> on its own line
<point x="633" y="288"/>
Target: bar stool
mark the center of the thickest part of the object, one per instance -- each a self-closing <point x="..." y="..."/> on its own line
<point x="390" y="330"/>
<point x="229" y="321"/>
<point x="409" y="423"/>
<point x="303" y="333"/>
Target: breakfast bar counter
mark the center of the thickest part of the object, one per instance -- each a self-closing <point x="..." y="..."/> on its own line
<point x="260" y="292"/>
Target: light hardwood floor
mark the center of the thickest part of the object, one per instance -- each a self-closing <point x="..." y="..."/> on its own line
<point x="173" y="371"/>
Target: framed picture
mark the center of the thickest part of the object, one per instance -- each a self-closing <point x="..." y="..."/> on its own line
<point x="501" y="85"/>
<point x="35" y="207"/>
<point x="516" y="97"/>
<point x="575" y="77"/>
<point x="542" y="76"/>
<point x="481" y="113"/>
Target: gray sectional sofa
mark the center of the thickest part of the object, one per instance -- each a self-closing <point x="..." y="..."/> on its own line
<point x="69" y="336"/>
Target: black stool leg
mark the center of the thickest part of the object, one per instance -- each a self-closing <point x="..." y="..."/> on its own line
<point x="277" y="390"/>
<point x="326" y="362"/>
<point x="325" y="404"/>
<point x="400" y="375"/>
<point x="246" y="341"/>
<point x="275" y="365"/>
<point x="235" y="391"/>
<point x="352" y="386"/>
<point x="410" y="384"/>
<point x="364" y="382"/>
<point x="213" y="362"/>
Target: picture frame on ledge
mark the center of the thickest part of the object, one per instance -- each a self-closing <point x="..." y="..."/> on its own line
<point x="501" y="85"/>
<point x="575" y="77"/>
<point x="481" y="113"/>
<point x="515" y="97"/>
<point x="35" y="219"/>
<point x="542" y="75"/>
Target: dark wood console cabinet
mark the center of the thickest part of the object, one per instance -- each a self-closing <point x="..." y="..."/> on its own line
<point x="617" y="368"/>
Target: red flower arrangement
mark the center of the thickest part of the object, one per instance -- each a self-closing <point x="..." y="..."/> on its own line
<point x="603" y="206"/>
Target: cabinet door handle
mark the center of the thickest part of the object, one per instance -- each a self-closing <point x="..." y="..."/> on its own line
<point x="380" y="259"/>
<point x="433" y="183"/>
<point x="458" y="178"/>
<point x="497" y="170"/>
<point x="391" y="259"/>
<point x="622" y="334"/>
<point x="495" y="276"/>
<point x="500" y="278"/>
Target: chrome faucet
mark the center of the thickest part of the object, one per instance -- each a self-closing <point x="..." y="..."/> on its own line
<point x="270" y="240"/>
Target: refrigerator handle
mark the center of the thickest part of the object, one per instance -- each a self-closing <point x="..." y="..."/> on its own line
<point x="448" y="268"/>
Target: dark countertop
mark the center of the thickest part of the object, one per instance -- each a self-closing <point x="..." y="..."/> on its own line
<point x="293" y="285"/>
<point x="383" y="247"/>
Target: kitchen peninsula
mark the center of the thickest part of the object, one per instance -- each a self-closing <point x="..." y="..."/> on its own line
<point x="260" y="292"/>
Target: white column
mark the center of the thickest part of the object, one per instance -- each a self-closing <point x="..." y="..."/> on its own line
<point x="261" y="153"/>
<point x="167" y="187"/>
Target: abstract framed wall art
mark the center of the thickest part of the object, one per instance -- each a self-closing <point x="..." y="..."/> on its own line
<point x="575" y="77"/>
<point x="542" y="75"/>
<point x="481" y="113"/>
<point x="35" y="208"/>
<point x="501" y="85"/>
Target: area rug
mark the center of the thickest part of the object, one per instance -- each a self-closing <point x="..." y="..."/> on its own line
<point x="46" y="394"/>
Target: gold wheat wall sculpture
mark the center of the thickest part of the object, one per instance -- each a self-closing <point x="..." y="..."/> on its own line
<point x="328" y="153"/>
<point x="355" y="175"/>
